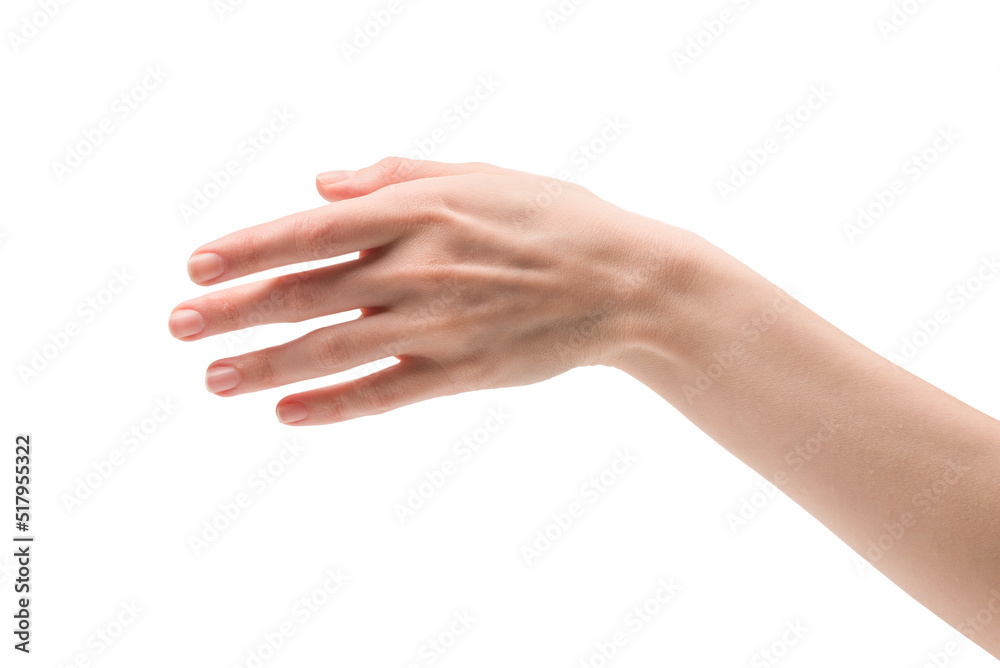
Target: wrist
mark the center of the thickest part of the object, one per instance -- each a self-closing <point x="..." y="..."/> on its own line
<point x="684" y="300"/>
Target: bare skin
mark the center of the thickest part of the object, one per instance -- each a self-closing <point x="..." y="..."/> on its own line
<point x="477" y="277"/>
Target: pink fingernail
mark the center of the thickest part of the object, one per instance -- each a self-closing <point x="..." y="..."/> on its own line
<point x="293" y="411"/>
<point x="221" y="378"/>
<point x="205" y="266"/>
<point x="329" y="178"/>
<point x="185" y="323"/>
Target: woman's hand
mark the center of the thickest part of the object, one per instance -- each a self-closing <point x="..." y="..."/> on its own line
<point x="472" y="276"/>
<point x="478" y="277"/>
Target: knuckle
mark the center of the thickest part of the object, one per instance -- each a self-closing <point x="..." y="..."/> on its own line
<point x="436" y="277"/>
<point x="249" y="252"/>
<point x="281" y="294"/>
<point x="331" y="410"/>
<point x="260" y="367"/>
<point x="566" y="187"/>
<point x="480" y="166"/>
<point x="376" y="397"/>
<point x="392" y="168"/>
<point x="313" y="237"/>
<point x="443" y="279"/>
<point x="330" y="351"/>
<point x="303" y="233"/>
<point x="445" y="206"/>
<point x="300" y="298"/>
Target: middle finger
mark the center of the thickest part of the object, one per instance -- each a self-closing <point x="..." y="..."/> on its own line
<point x="291" y="298"/>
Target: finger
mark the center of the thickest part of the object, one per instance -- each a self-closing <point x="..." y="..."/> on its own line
<point x="322" y="233"/>
<point x="330" y="178"/>
<point x="325" y="351"/>
<point x="409" y="381"/>
<point x="291" y="298"/>
<point x="341" y="185"/>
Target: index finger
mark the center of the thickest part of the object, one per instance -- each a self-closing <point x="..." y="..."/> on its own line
<point x="325" y="232"/>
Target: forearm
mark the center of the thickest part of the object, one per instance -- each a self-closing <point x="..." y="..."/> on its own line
<point x="904" y="473"/>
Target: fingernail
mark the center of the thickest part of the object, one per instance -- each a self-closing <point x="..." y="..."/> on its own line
<point x="329" y="178"/>
<point x="186" y="323"/>
<point x="293" y="411"/>
<point x="221" y="378"/>
<point x="205" y="266"/>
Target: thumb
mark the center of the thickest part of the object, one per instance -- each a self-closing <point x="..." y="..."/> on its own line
<point x="340" y="185"/>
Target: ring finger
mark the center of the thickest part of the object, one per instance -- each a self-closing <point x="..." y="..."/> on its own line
<point x="322" y="352"/>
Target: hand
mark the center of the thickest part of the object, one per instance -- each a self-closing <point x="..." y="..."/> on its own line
<point x="472" y="276"/>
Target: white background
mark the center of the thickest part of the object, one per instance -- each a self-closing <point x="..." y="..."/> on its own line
<point x="669" y="516"/>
